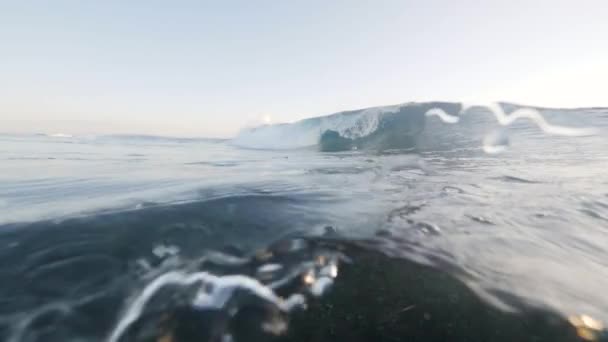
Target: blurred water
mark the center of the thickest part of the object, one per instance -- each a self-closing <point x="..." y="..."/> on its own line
<point x="98" y="217"/>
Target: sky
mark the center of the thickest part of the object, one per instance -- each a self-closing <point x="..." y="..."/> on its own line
<point x="210" y="68"/>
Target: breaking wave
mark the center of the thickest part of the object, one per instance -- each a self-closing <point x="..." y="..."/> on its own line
<point x="341" y="131"/>
<point x="400" y="126"/>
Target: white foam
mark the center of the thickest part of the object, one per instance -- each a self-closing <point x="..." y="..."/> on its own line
<point x="493" y="143"/>
<point x="320" y="286"/>
<point x="269" y="268"/>
<point x="25" y="322"/>
<point x="506" y="120"/>
<point x="214" y="293"/>
<point x="441" y="114"/>
<point x="329" y="270"/>
<point x="224" y="259"/>
<point x="490" y="149"/>
<point x="162" y="251"/>
<point x="536" y="117"/>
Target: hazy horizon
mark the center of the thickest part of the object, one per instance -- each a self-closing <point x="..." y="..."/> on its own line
<point x="79" y="127"/>
<point x="202" y="69"/>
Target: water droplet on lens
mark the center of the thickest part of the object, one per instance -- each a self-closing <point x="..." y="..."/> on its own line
<point x="309" y="278"/>
<point x="496" y="142"/>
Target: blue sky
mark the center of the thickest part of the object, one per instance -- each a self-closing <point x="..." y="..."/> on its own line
<point x="210" y="68"/>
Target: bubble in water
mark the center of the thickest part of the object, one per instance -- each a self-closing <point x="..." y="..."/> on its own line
<point x="162" y="251"/>
<point x="496" y="142"/>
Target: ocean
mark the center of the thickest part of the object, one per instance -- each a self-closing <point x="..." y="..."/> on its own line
<point x="415" y="222"/>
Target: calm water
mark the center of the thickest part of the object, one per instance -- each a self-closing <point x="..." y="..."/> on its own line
<point x="111" y="237"/>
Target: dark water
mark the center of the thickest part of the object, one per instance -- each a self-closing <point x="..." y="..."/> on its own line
<point x="378" y="225"/>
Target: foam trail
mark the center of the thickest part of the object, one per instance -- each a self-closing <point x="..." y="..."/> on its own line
<point x="505" y="120"/>
<point x="445" y="117"/>
<point x="25" y="322"/>
<point x="223" y="287"/>
<point x="532" y="115"/>
<point x="136" y="308"/>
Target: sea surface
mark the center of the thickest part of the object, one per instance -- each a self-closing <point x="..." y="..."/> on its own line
<point x="417" y="222"/>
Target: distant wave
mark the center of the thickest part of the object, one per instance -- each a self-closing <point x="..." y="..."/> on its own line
<point x="377" y="127"/>
<point x="155" y="138"/>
